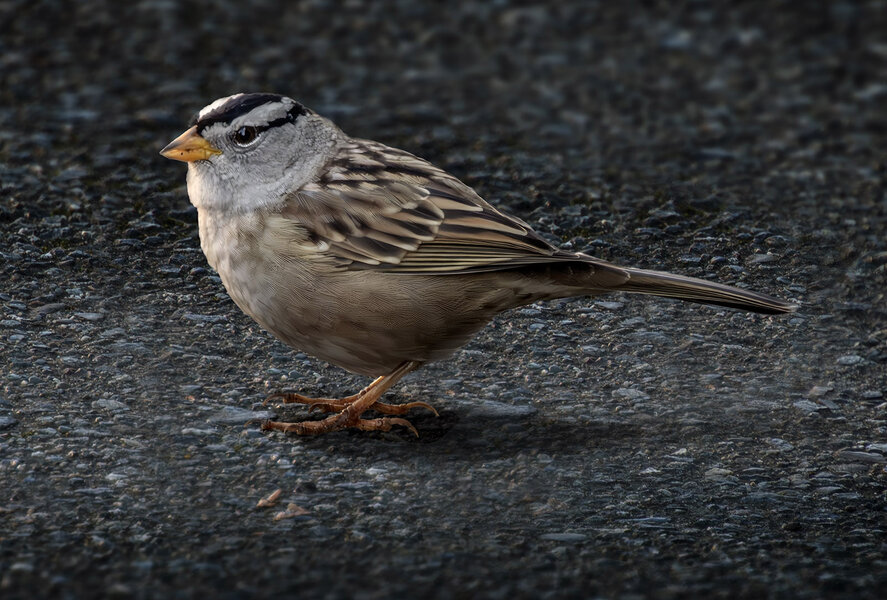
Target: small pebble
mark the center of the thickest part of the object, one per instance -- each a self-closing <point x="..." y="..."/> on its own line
<point x="849" y="360"/>
<point x="632" y="394"/>
<point x="109" y="404"/>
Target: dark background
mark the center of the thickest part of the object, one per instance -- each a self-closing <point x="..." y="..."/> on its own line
<point x="622" y="447"/>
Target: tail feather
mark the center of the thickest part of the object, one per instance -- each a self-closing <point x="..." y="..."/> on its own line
<point x="691" y="289"/>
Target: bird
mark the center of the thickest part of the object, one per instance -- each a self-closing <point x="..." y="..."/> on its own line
<point x="371" y="258"/>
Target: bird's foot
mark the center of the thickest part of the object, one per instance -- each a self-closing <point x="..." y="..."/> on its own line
<point x="349" y="409"/>
<point x="329" y="405"/>
<point x="338" y="422"/>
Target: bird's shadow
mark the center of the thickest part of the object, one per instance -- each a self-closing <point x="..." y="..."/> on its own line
<point x="471" y="436"/>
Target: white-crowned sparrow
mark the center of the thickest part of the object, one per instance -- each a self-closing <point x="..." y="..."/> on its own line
<point x="369" y="257"/>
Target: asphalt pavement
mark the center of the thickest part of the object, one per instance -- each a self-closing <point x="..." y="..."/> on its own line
<point x="610" y="447"/>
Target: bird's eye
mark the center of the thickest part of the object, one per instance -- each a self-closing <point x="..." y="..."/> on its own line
<point x="245" y="136"/>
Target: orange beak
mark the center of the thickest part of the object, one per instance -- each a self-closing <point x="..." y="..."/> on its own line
<point x="189" y="146"/>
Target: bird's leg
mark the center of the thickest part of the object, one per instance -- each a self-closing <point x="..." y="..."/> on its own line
<point x="354" y="406"/>
<point x="339" y="404"/>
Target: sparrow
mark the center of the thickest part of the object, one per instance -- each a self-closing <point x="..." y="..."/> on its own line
<point x="371" y="258"/>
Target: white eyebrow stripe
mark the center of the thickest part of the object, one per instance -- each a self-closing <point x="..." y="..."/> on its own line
<point x="211" y="107"/>
<point x="262" y="115"/>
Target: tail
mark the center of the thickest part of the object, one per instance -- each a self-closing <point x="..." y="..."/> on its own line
<point x="691" y="289"/>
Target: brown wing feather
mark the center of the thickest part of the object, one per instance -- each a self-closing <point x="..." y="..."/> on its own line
<point x="381" y="208"/>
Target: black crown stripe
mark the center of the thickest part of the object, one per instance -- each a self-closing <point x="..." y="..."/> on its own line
<point x="241" y="105"/>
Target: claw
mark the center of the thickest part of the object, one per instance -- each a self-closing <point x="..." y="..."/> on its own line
<point x="410" y="406"/>
<point x="290" y="398"/>
<point x="327" y="407"/>
<point x="384" y="424"/>
<point x="270" y="398"/>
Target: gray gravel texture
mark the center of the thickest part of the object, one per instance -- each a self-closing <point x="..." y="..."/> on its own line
<point x="618" y="447"/>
